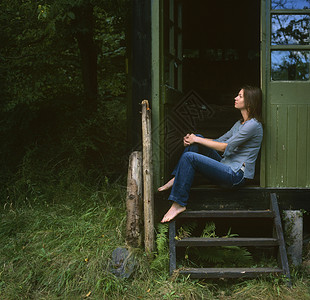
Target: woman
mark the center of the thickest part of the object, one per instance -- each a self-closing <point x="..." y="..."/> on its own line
<point x="240" y="147"/>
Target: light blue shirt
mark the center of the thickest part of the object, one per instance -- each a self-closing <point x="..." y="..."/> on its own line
<point x="243" y="144"/>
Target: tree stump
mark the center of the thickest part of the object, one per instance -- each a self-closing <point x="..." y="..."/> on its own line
<point x="134" y="201"/>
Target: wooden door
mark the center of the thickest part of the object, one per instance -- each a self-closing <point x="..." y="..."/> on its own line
<point x="166" y="76"/>
<point x="173" y="80"/>
<point x="286" y="84"/>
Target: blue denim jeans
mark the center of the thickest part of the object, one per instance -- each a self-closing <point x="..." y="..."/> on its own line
<point x="207" y="162"/>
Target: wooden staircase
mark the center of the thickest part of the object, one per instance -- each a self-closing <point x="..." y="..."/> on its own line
<point x="276" y="241"/>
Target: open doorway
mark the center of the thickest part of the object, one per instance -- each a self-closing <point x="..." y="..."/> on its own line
<point x="220" y="53"/>
<point x="221" y="47"/>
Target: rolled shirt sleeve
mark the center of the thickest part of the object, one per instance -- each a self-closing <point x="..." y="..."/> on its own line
<point x="243" y="144"/>
<point x="245" y="133"/>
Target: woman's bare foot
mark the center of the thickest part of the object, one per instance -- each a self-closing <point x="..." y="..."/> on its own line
<point x="166" y="186"/>
<point x="174" y="210"/>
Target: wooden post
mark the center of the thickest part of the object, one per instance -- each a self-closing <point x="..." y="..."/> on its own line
<point x="134" y="201"/>
<point x="147" y="179"/>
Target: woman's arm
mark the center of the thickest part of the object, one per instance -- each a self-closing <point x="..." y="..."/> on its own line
<point x="250" y="129"/>
<point x="192" y="138"/>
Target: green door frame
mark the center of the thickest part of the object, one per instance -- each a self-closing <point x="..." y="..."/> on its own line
<point x="159" y="92"/>
<point x="285" y="152"/>
<point x="157" y="65"/>
<point x="263" y="78"/>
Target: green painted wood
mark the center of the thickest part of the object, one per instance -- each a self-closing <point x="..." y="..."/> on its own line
<point x="288" y="140"/>
<point x="302" y="151"/>
<point x="273" y="146"/>
<point x="281" y="92"/>
<point x="290" y="12"/>
<point x="291" y="170"/>
<point x="308" y="144"/>
<point x="156" y="91"/>
<point x="281" y="145"/>
<point x="265" y="23"/>
<point x="286" y="146"/>
<point x="289" y="47"/>
<point x="180" y="47"/>
<point x="263" y="68"/>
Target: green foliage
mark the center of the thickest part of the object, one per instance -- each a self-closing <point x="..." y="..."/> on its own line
<point x="231" y="256"/>
<point x="51" y="136"/>
<point x="209" y="230"/>
<point x="161" y="238"/>
<point x="62" y="251"/>
<point x="161" y="261"/>
<point x="186" y="230"/>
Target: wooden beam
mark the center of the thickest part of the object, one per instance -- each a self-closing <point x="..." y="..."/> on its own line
<point x="279" y="235"/>
<point x="148" y="195"/>
<point x="204" y="242"/>
<point x="172" y="247"/>
<point x="229" y="272"/>
<point x="228" y="214"/>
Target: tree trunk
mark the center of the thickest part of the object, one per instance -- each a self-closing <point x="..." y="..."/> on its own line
<point x="84" y="34"/>
<point x="134" y="201"/>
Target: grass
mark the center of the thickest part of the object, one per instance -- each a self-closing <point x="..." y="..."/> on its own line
<point x="62" y="251"/>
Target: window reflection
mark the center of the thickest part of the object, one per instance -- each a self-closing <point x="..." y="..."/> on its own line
<point x="290" y="30"/>
<point x="290" y="65"/>
<point x="290" y="4"/>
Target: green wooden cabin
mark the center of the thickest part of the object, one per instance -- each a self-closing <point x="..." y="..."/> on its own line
<point x="189" y="59"/>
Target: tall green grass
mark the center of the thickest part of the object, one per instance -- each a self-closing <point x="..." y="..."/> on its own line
<point x="62" y="251"/>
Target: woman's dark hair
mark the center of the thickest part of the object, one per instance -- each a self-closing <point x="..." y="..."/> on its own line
<point x="253" y="101"/>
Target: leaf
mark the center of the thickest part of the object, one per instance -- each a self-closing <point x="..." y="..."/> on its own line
<point x="71" y="15"/>
<point x="88" y="294"/>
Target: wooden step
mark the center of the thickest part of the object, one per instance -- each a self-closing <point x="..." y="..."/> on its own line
<point x="204" y="242"/>
<point x="228" y="214"/>
<point x="277" y="241"/>
<point x="228" y="272"/>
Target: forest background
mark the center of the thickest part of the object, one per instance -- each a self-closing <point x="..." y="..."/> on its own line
<point x="63" y="95"/>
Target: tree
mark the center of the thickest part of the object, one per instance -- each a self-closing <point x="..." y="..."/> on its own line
<point x="63" y="83"/>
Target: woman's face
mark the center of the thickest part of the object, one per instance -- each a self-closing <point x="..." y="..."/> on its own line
<point x="239" y="101"/>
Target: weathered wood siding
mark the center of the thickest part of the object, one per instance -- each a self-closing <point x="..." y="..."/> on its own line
<point x="288" y="145"/>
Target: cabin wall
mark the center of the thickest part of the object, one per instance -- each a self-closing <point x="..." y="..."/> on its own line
<point x="288" y="145"/>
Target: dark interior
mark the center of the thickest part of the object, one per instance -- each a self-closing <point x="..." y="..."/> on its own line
<point x="220" y="47"/>
<point x="221" y="53"/>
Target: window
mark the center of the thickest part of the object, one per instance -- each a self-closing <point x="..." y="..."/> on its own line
<point x="290" y="40"/>
<point x="290" y="65"/>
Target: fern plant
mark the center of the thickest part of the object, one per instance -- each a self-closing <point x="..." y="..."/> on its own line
<point x="209" y="230"/>
<point x="161" y="261"/>
<point x="186" y="230"/>
<point x="219" y="256"/>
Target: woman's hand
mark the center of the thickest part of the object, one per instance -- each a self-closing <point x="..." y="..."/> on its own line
<point x="184" y="140"/>
<point x="189" y="139"/>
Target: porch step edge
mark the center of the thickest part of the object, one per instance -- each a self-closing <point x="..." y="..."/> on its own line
<point x="206" y="242"/>
<point x="228" y="272"/>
